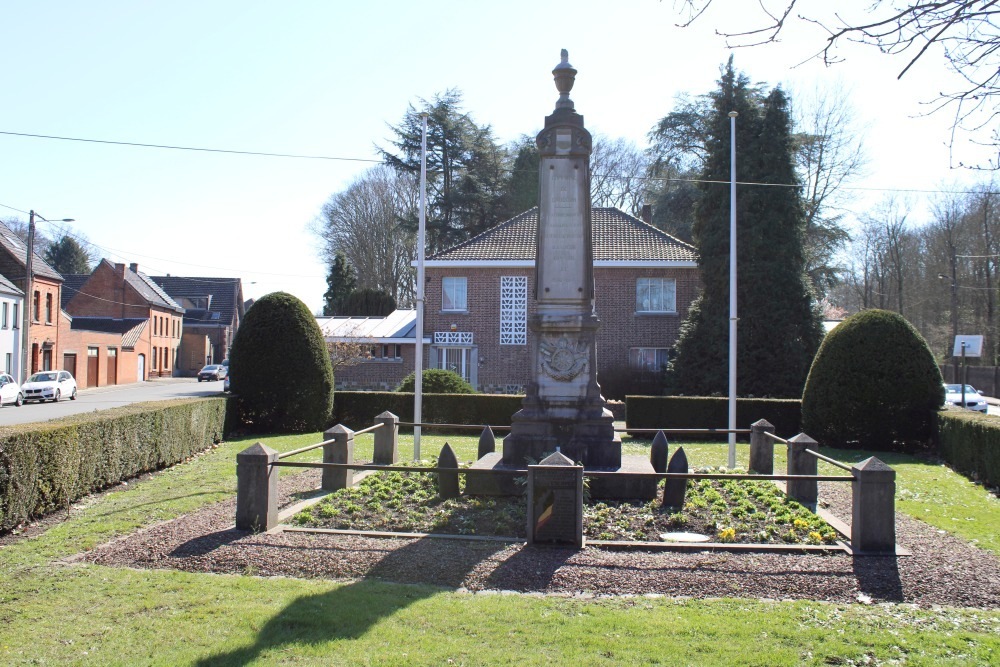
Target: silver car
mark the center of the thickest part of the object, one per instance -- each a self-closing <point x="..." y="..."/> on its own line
<point x="973" y="399"/>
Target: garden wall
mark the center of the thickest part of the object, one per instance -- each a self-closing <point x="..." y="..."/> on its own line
<point x="46" y="466"/>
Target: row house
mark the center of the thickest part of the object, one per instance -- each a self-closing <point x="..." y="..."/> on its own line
<point x="11" y="303"/>
<point x="213" y="311"/>
<point x="43" y="299"/>
<point x="479" y="297"/>
<point x="127" y="306"/>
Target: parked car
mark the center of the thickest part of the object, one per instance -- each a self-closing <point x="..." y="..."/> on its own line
<point x="10" y="391"/>
<point x="225" y="383"/>
<point x="973" y="398"/>
<point x="49" y="386"/>
<point x="212" y="372"/>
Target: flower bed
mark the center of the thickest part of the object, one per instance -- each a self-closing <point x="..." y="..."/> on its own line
<point x="746" y="512"/>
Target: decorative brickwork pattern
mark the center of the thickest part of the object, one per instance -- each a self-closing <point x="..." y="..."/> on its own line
<point x="513" y="310"/>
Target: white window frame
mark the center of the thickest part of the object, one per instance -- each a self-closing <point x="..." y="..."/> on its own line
<point x="648" y="358"/>
<point x="462" y="367"/>
<point x="454" y="294"/>
<point x="655" y="295"/>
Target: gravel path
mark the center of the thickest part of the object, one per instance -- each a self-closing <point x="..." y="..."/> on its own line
<point x="943" y="570"/>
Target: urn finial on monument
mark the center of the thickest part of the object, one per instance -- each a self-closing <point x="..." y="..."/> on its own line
<point x="565" y="76"/>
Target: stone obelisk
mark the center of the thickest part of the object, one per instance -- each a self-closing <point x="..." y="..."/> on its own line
<point x="563" y="408"/>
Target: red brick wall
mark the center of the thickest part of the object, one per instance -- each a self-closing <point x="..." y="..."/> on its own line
<point x="77" y="341"/>
<point x="375" y="374"/>
<point x="40" y="330"/>
<point x="621" y="327"/>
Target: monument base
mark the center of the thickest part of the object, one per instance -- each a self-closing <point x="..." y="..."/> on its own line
<point x="585" y="436"/>
<point x="489" y="477"/>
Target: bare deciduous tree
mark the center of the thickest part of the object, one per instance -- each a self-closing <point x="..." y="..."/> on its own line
<point x="966" y="33"/>
<point x="618" y="174"/>
<point x="365" y="223"/>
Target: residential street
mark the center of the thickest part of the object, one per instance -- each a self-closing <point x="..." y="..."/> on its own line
<point x="101" y="398"/>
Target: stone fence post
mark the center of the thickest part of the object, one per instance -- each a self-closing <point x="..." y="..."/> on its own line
<point x="448" y="479"/>
<point x="761" y="448"/>
<point x="386" y="439"/>
<point x="340" y="449"/>
<point x="256" y="489"/>
<point x="873" y="524"/>
<point x="800" y="463"/>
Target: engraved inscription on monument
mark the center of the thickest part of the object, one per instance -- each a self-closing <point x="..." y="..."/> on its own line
<point x="555" y="502"/>
<point x="562" y="238"/>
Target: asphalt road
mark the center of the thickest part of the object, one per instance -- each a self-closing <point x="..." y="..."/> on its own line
<point x="101" y="398"/>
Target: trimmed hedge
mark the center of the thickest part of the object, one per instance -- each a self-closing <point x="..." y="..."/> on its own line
<point x="358" y="409"/>
<point x="970" y="443"/>
<point x="711" y="412"/>
<point x="280" y="369"/>
<point x="873" y="385"/>
<point x="46" y="466"/>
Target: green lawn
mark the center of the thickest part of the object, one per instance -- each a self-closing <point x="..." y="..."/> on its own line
<point x="53" y="613"/>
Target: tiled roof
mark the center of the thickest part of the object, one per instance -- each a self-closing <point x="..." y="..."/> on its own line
<point x="130" y="328"/>
<point x="150" y="291"/>
<point x="17" y="248"/>
<point x="617" y="237"/>
<point x="226" y="297"/>
<point x="397" y="325"/>
<point x="72" y="283"/>
<point x="7" y="287"/>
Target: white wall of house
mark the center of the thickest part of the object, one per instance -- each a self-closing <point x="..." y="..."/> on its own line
<point x="10" y="333"/>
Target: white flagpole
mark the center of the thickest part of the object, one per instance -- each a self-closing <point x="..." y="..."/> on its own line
<point x="732" y="288"/>
<point x="418" y="359"/>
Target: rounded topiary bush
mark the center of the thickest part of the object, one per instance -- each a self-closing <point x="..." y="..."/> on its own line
<point x="438" y="381"/>
<point x="280" y="369"/>
<point x="873" y="384"/>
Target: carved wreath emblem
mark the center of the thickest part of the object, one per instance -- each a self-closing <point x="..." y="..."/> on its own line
<point x="562" y="359"/>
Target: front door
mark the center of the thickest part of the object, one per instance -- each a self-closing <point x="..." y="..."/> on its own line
<point x="141" y="368"/>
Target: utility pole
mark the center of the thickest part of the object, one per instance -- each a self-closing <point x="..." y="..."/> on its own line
<point x="28" y="301"/>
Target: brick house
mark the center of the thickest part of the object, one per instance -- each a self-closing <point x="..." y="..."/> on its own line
<point x="479" y="295"/>
<point x="213" y="311"/>
<point x="123" y="304"/>
<point x="43" y="340"/>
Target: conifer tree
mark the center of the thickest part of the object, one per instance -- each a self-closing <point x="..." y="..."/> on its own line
<point x="779" y="328"/>
<point x="340" y="282"/>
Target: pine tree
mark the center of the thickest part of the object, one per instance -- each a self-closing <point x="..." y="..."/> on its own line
<point x="779" y="328"/>
<point x="465" y="169"/>
<point x="340" y="282"/>
<point x="67" y="256"/>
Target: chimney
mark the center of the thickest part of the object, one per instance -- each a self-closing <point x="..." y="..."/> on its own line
<point x="120" y="269"/>
<point x="133" y="267"/>
<point x="647" y="214"/>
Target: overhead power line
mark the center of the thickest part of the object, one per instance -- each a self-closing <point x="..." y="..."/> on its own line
<point x="200" y="149"/>
<point x="190" y="148"/>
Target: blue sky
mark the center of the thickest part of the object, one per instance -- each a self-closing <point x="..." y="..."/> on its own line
<point x="326" y="78"/>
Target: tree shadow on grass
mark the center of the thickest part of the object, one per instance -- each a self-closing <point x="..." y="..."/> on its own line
<point x="349" y="611"/>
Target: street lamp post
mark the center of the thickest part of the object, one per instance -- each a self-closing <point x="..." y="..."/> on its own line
<point x="28" y="286"/>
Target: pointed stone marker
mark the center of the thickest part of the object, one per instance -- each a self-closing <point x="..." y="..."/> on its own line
<point x="447" y="480"/>
<point x="658" y="452"/>
<point x="675" y="488"/>
<point x="487" y="443"/>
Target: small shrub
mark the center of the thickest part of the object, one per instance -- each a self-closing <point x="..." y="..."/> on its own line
<point x="873" y="385"/>
<point x="437" y="381"/>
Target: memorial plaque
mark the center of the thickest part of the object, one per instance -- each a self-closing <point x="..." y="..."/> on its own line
<point x="555" y="502"/>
